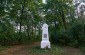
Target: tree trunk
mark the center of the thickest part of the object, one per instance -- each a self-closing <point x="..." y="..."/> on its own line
<point x="28" y="30"/>
<point x="21" y="17"/>
<point x="63" y="19"/>
<point x="32" y="30"/>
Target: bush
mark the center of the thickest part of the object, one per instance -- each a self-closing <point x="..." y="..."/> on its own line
<point x="9" y="37"/>
<point x="73" y="36"/>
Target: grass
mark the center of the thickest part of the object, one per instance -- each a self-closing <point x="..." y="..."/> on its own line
<point x="2" y="48"/>
<point x="54" y="50"/>
<point x="82" y="49"/>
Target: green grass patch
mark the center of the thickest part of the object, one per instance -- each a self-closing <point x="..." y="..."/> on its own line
<point x="2" y="48"/>
<point x="82" y="49"/>
<point x="54" y="50"/>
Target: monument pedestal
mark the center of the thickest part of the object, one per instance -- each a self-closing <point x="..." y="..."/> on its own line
<point x="45" y="44"/>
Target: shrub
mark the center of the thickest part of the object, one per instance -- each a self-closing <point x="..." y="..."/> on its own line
<point x="73" y="36"/>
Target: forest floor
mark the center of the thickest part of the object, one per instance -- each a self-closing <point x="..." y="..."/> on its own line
<point x="25" y="50"/>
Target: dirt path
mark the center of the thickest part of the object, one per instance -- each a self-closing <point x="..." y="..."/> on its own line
<point x="24" y="50"/>
<point x="72" y="51"/>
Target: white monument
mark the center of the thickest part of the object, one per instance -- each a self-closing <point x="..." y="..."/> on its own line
<point x="45" y="37"/>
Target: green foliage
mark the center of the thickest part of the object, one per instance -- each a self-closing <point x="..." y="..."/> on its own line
<point x="6" y="33"/>
<point x="2" y="48"/>
<point x="28" y="13"/>
<point x="54" y="50"/>
<point x="73" y="36"/>
<point x="82" y="48"/>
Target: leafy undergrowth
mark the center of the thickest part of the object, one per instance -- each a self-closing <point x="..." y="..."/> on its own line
<point x="54" y="50"/>
<point x="82" y="49"/>
<point x="2" y="48"/>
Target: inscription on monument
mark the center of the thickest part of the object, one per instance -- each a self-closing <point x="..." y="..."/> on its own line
<point x="45" y="35"/>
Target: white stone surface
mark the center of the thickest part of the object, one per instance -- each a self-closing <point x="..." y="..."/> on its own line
<point x="45" y="44"/>
<point x="45" y="37"/>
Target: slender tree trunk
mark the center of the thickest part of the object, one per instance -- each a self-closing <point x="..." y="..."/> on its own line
<point x="39" y="31"/>
<point x="35" y="30"/>
<point x="32" y="30"/>
<point x="63" y="19"/>
<point x="28" y="30"/>
<point x="21" y="17"/>
<point x="63" y="15"/>
<point x="55" y="26"/>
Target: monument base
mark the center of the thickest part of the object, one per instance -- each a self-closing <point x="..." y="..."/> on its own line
<point x="45" y="44"/>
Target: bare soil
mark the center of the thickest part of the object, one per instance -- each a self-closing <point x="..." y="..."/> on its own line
<point x="24" y="50"/>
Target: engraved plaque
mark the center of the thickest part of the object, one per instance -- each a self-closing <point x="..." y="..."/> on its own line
<point x="45" y="35"/>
